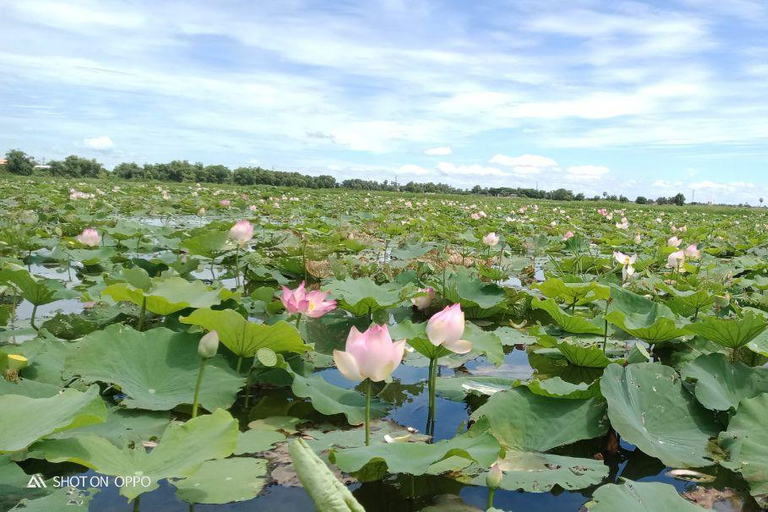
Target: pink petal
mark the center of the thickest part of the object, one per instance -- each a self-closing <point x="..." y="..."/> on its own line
<point x="458" y="346"/>
<point x="347" y="365"/>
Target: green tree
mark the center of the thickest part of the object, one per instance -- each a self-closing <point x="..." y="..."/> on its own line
<point x="20" y="163"/>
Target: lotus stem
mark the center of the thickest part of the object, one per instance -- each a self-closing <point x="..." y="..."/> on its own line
<point x="143" y="314"/>
<point x="239" y="363"/>
<point x="32" y="318"/>
<point x="237" y="266"/>
<point x="368" y="413"/>
<point x="431" y="384"/>
<point x="248" y="383"/>
<point x="491" y="492"/>
<point x="195" y="400"/>
<point x="298" y="320"/>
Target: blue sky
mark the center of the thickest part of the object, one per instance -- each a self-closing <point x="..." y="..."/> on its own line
<point x="649" y="98"/>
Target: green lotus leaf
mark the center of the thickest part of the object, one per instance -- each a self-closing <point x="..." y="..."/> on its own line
<point x="59" y="500"/>
<point x="649" y="407"/>
<point x="524" y="421"/>
<point x="37" y="291"/>
<point x="321" y="484"/>
<point x="416" y="458"/>
<point x="90" y="257"/>
<point x="182" y="449"/>
<point x="720" y="384"/>
<point x="166" y="295"/>
<point x="577" y="294"/>
<point x="123" y="426"/>
<point x="363" y="296"/>
<point x="632" y="496"/>
<point x="642" y="318"/>
<point x="208" y="243"/>
<point x="540" y="472"/>
<point x="329" y="399"/>
<point x="245" y="338"/>
<point x="588" y="356"/>
<point x="558" y="388"/>
<point x="746" y="442"/>
<point x="156" y="369"/>
<point x="477" y="298"/>
<point x="223" y="481"/>
<point x="569" y="323"/>
<point x="457" y="388"/>
<point x="730" y="333"/>
<point x="25" y="420"/>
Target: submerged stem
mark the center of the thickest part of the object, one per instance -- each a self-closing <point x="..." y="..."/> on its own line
<point x="143" y="314"/>
<point x="32" y="318"/>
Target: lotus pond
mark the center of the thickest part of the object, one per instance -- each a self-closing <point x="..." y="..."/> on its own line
<point x="182" y="347"/>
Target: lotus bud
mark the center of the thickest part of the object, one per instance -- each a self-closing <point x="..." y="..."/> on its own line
<point x="722" y="301"/>
<point x="494" y="477"/>
<point x="208" y="345"/>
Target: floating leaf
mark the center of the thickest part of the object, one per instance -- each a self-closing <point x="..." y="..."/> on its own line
<point x="156" y="369"/>
<point x="329" y="399"/>
<point x="639" y="497"/>
<point x="363" y="296"/>
<point x="25" y="420"/>
<point x="181" y="451"/>
<point x="223" y="481"/>
<point x="649" y="407"/>
<point x="523" y="421"/>
<point x="166" y="295"/>
<point x="730" y="333"/>
<point x="569" y="323"/>
<point x="642" y="318"/>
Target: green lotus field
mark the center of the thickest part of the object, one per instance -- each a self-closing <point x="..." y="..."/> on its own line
<point x="166" y="346"/>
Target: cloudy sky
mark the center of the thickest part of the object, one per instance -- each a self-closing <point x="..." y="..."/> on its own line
<point x="649" y="98"/>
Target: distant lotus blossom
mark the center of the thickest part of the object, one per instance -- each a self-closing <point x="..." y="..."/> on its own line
<point x="408" y="204"/>
<point x="609" y="216"/>
<point x="637" y="238"/>
<point x="312" y="304"/>
<point x="424" y="301"/>
<point x="241" y="232"/>
<point x="491" y="239"/>
<point x="201" y="212"/>
<point x="624" y="224"/>
<point x="475" y="216"/>
<point x="522" y="209"/>
<point x="674" y="242"/>
<point x="253" y="207"/>
<point x="224" y="203"/>
<point x="676" y="261"/>
<point x="89" y="237"/>
<point x="567" y="235"/>
<point x="627" y="262"/>
<point x="692" y="252"/>
<point x="602" y="211"/>
<point x="75" y="195"/>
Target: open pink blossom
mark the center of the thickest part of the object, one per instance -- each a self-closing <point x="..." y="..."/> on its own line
<point x="89" y="237"/>
<point x="692" y="252"/>
<point x="446" y="328"/>
<point x="313" y="304"/>
<point x="369" y="355"/>
<point x="224" y="203"/>
<point x="241" y="232"/>
<point x="674" y="242"/>
<point x="676" y="261"/>
<point x="423" y="301"/>
<point x="491" y="239"/>
<point x="567" y="235"/>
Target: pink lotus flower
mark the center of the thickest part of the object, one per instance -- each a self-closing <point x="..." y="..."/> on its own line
<point x="224" y="203"/>
<point x="312" y="304"/>
<point x="676" y="261"/>
<point x="446" y="328"/>
<point x="475" y="216"/>
<point x="567" y="235"/>
<point x="692" y="252"/>
<point x="423" y="301"/>
<point x="241" y="232"/>
<point x="369" y="355"/>
<point x="674" y="242"/>
<point x="627" y="262"/>
<point x="491" y="239"/>
<point x="89" y="237"/>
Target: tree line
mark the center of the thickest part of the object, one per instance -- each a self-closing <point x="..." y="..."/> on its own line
<point x="74" y="166"/>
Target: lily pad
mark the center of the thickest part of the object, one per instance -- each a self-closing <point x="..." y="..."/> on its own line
<point x="642" y="318"/>
<point x="730" y="333"/>
<point x="569" y="323"/>
<point x="639" y="497"/>
<point x="166" y="295"/>
<point x="721" y="385"/>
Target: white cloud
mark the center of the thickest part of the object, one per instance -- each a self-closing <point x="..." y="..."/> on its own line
<point x="470" y="170"/>
<point x="413" y="169"/>
<point x="586" y="172"/>
<point x="526" y="165"/>
<point x="440" y="151"/>
<point x="730" y="186"/>
<point x="101" y="143"/>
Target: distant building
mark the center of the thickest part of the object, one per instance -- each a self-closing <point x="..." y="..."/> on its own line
<point x="42" y="167"/>
<point x="3" y="161"/>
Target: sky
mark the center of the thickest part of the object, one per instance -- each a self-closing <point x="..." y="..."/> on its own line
<point x="636" y="98"/>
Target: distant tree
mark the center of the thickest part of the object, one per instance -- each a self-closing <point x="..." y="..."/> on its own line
<point x="76" y="167"/>
<point x="761" y="202"/>
<point x="20" y="163"/>
<point x="623" y="199"/>
<point x="678" y="199"/>
<point x="641" y="200"/>
<point x="217" y="174"/>
<point x="129" y="171"/>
